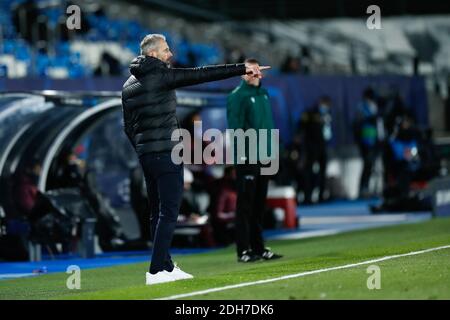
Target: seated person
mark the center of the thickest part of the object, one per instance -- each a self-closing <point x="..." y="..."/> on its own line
<point x="189" y="209"/>
<point x="27" y="190"/>
<point x="223" y="207"/>
<point x="406" y="163"/>
<point x="191" y="216"/>
<point x="404" y="155"/>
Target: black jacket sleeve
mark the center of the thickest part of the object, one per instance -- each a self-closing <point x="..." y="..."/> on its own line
<point x="179" y="77"/>
<point x="127" y="124"/>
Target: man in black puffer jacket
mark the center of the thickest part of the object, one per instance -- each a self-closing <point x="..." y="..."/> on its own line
<point x="148" y="104"/>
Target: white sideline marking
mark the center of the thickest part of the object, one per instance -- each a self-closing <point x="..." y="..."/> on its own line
<point x="302" y="274"/>
<point x="354" y="219"/>
<point x="16" y="275"/>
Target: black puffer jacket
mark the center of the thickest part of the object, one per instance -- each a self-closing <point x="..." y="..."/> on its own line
<point x="149" y="101"/>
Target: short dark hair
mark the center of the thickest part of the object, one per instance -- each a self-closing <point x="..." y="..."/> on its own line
<point x="325" y="99"/>
<point x="251" y="60"/>
<point x="369" y="93"/>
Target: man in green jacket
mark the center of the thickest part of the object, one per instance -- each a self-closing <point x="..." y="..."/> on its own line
<point x="248" y="107"/>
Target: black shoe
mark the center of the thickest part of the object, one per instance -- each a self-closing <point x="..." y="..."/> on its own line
<point x="270" y="255"/>
<point x="248" y="256"/>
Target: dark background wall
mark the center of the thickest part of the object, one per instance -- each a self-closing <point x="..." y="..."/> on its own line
<point x="290" y="96"/>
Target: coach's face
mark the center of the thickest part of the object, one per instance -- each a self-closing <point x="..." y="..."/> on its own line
<point x="162" y="52"/>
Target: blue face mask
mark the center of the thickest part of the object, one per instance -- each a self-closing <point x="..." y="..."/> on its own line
<point x="323" y="108"/>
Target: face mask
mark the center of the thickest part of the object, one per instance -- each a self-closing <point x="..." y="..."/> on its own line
<point x="323" y="108"/>
<point x="373" y="107"/>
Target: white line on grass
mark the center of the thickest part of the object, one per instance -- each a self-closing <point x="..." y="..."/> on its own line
<point x="298" y="275"/>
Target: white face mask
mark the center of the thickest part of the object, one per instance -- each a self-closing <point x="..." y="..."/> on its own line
<point x="373" y="107"/>
<point x="323" y="108"/>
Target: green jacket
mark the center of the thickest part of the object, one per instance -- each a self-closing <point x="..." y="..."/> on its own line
<point x="249" y="107"/>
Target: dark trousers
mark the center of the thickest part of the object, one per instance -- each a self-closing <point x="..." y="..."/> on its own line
<point x="251" y="199"/>
<point x="165" y="182"/>
<point x="369" y="155"/>
<point x="319" y="156"/>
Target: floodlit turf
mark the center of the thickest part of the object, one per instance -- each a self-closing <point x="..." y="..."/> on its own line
<point x="424" y="276"/>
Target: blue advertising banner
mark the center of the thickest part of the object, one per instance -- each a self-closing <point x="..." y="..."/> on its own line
<point x="440" y="189"/>
<point x="290" y="95"/>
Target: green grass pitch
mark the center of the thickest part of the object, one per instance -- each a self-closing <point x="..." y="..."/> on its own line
<point x="423" y="276"/>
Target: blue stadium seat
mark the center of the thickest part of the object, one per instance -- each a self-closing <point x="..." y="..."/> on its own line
<point x="128" y="32"/>
<point x="133" y="46"/>
<point x="23" y="51"/>
<point x="76" y="71"/>
<point x="62" y="48"/>
<point x="53" y="14"/>
<point x="9" y="46"/>
<point x="133" y="30"/>
<point x="3" y="70"/>
<point x="42" y="62"/>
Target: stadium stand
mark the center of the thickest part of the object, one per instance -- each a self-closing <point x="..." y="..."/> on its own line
<point x="336" y="45"/>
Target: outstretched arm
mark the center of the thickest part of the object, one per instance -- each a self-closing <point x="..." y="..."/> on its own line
<point x="180" y="77"/>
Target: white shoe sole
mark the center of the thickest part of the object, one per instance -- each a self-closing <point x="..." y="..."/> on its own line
<point x="182" y="276"/>
<point x="156" y="280"/>
<point x="150" y="282"/>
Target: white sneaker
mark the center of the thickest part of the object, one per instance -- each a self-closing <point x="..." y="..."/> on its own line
<point x="160" y="277"/>
<point x="178" y="274"/>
